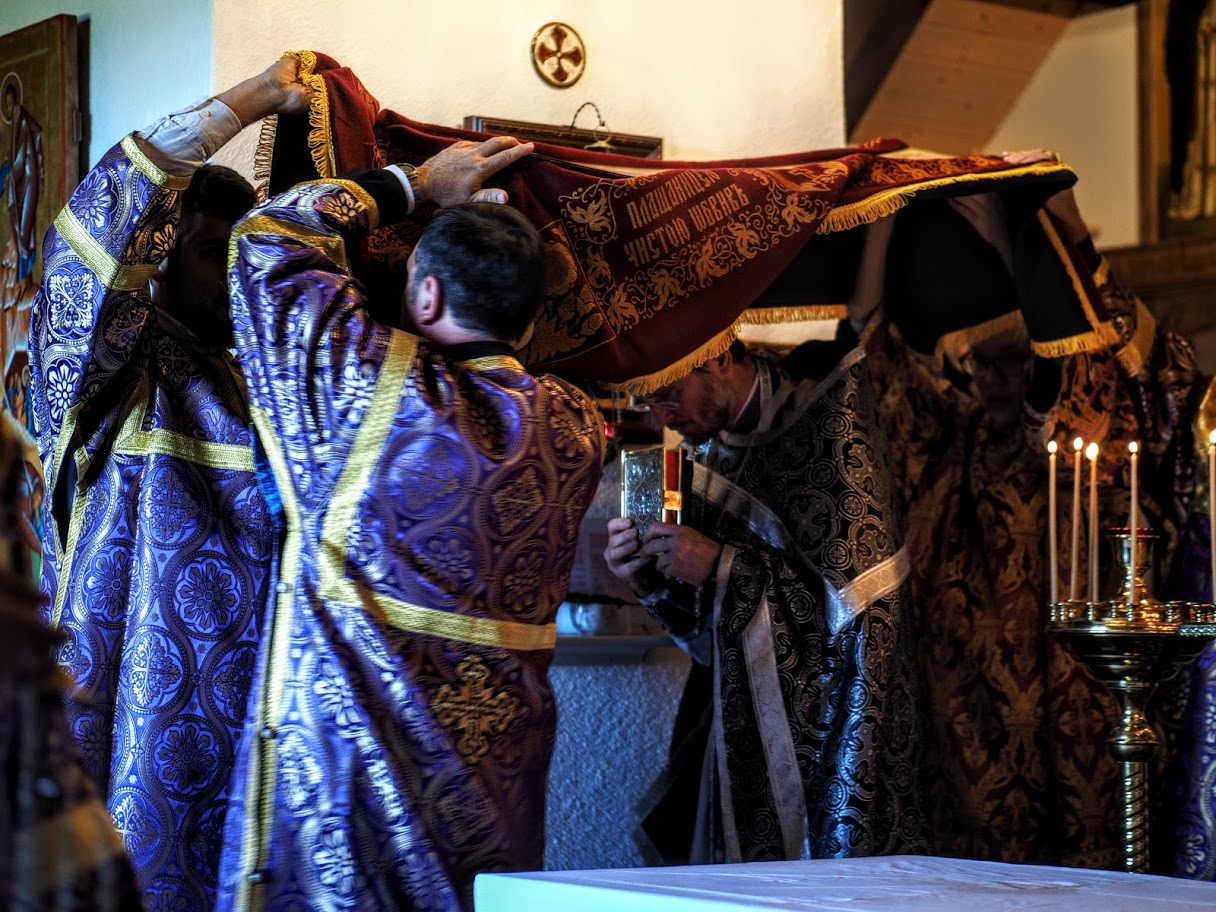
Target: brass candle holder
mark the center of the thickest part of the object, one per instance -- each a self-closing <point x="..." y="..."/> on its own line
<point x="1132" y="643"/>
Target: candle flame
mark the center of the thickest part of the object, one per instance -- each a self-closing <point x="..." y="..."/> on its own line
<point x="1051" y="444"/>
<point x="1133" y="447"/>
<point x="1091" y="452"/>
<point x="1078" y="444"/>
<point x="1212" y="438"/>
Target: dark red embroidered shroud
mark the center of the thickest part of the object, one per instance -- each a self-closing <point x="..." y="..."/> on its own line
<point x="653" y="263"/>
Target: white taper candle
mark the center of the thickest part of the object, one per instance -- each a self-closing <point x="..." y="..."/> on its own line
<point x="1077" y="446"/>
<point x="1052" y="537"/>
<point x="1134" y="518"/>
<point x="1091" y="453"/>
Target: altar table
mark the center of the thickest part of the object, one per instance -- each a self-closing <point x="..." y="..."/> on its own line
<point x="907" y="883"/>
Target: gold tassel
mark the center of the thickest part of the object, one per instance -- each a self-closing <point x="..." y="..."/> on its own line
<point x="765" y="316"/>
<point x="648" y="383"/>
<point x="888" y="202"/>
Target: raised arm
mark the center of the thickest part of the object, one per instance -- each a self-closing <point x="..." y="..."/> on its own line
<point x="310" y="349"/>
<point x="93" y="305"/>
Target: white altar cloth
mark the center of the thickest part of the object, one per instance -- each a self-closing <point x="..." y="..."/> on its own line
<point x="905" y="882"/>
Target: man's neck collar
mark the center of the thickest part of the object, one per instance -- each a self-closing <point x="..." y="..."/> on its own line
<point x="474" y="348"/>
<point x="748" y="414"/>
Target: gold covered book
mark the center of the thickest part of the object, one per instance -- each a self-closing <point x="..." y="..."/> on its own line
<point x="652" y="485"/>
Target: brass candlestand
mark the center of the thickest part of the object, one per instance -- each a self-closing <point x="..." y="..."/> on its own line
<point x="1132" y="643"/>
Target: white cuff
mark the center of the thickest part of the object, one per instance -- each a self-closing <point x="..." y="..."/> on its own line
<point x="405" y="183"/>
<point x="181" y="143"/>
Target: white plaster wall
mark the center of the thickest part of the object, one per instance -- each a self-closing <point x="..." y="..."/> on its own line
<point x="1082" y="103"/>
<point x="146" y="57"/>
<point x="715" y="79"/>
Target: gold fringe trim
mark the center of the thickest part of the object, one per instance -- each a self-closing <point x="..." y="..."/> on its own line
<point x="320" y="143"/>
<point x="320" y="139"/>
<point x="648" y="383"/>
<point x="263" y="157"/>
<point x="1135" y="354"/>
<point x="888" y="202"/>
<point x="1103" y="336"/>
<point x="953" y="345"/>
<point x="1078" y="286"/>
<point x="765" y="316"/>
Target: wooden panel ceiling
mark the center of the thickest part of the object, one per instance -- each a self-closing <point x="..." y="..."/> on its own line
<point x="960" y="72"/>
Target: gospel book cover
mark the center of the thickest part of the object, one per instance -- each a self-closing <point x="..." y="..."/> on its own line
<point x="652" y="485"/>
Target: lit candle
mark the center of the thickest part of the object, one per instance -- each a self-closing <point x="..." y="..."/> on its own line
<point x="1077" y="446"/>
<point x="1212" y="507"/>
<point x="1091" y="453"/>
<point x="1134" y="520"/>
<point x="1052" y="542"/>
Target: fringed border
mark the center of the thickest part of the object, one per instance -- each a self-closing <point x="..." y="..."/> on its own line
<point x="954" y="344"/>
<point x="1111" y="336"/>
<point x="1135" y="354"/>
<point x="263" y="156"/>
<point x="320" y="135"/>
<point x="1103" y="336"/>
<point x="888" y="202"/>
<point x="320" y="140"/>
<point x="765" y="316"/>
<point x="648" y="383"/>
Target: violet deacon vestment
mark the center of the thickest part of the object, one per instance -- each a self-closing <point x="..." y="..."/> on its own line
<point x="812" y="738"/>
<point x="404" y="721"/>
<point x="157" y="541"/>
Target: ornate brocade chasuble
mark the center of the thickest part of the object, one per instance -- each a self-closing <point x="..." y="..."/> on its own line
<point x="814" y="733"/>
<point x="651" y="263"/>
<point x="158" y="542"/>
<point x="1017" y="760"/>
<point x="432" y="498"/>
<point x="1017" y="767"/>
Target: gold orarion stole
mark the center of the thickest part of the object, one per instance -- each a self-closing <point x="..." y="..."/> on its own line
<point x="652" y="485"/>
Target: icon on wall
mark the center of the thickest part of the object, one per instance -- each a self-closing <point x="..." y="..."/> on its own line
<point x="558" y="54"/>
<point x="39" y="168"/>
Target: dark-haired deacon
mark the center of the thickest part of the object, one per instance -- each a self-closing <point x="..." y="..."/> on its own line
<point x="402" y="725"/>
<point x="797" y="735"/>
<point x="157" y="543"/>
